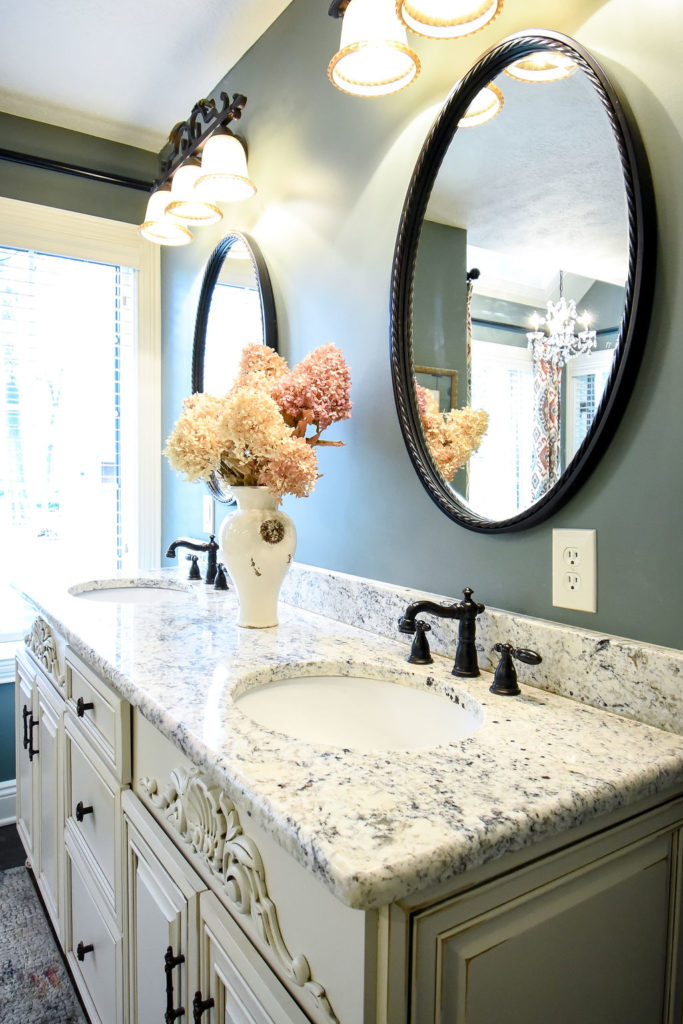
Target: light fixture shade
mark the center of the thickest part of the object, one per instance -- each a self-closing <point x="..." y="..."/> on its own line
<point x="159" y="228"/>
<point x="374" y="58"/>
<point x="486" y="104"/>
<point x="224" y="172"/>
<point x="447" y="19"/>
<point x="185" y="205"/>
<point x="543" y="66"/>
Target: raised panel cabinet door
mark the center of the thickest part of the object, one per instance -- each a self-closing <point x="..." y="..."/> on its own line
<point x="161" y="928"/>
<point x="50" y="799"/>
<point x="24" y="717"/>
<point x="589" y="947"/>
<point x="238" y="986"/>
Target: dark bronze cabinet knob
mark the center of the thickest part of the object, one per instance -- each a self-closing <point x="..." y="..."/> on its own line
<point x="199" y="1005"/>
<point x="81" y="950"/>
<point x="82" y="706"/>
<point x="81" y="811"/>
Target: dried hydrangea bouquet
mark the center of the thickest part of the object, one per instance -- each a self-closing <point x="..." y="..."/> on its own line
<point x="453" y="436"/>
<point x="260" y="438"/>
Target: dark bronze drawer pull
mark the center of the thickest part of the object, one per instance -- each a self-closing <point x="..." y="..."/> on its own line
<point x="81" y="811"/>
<point x="199" y="1005"/>
<point x="82" y="706"/>
<point x="81" y="950"/>
<point x="171" y="961"/>
<point x="25" y="714"/>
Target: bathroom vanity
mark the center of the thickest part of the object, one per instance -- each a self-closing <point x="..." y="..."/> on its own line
<point x="198" y="866"/>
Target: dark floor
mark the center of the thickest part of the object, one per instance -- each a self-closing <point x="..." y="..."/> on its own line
<point x="11" y="851"/>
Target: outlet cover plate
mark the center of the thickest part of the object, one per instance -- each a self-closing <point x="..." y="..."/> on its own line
<point x="575" y="576"/>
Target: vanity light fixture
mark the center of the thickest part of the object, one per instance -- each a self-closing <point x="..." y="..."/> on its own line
<point x="186" y="204"/>
<point x="486" y="104"/>
<point x="447" y="19"/>
<point x="374" y="58"/>
<point x="558" y="343"/>
<point x="543" y="66"/>
<point x="159" y="228"/>
<point x="187" y="190"/>
<point x="224" y="173"/>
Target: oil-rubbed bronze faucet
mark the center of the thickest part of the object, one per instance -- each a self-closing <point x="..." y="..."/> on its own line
<point x="198" y="545"/>
<point x="465" y="612"/>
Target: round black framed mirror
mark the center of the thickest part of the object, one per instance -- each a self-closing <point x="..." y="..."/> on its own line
<point x="506" y="395"/>
<point x="236" y="308"/>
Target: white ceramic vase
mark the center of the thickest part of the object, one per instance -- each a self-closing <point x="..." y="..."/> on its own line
<point x="257" y="545"/>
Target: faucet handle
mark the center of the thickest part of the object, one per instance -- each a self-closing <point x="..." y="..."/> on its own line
<point x="505" y="678"/>
<point x="419" y="652"/>
<point x="406" y="625"/>
<point x="194" y="568"/>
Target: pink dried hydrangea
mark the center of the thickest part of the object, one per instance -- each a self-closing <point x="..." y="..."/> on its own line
<point x="260" y="365"/>
<point x="452" y="437"/>
<point x="316" y="392"/>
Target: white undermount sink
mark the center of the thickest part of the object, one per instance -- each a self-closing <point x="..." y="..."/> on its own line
<point x="130" y="591"/>
<point x="358" y="712"/>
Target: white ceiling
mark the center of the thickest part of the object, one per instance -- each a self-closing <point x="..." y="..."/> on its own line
<point x="126" y="70"/>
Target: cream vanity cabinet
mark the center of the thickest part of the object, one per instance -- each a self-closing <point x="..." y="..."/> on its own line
<point x="171" y="903"/>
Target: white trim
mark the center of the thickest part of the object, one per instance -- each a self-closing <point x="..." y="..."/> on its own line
<point x="600" y="361"/>
<point x="8" y="802"/>
<point x="6" y="668"/>
<point x="30" y="226"/>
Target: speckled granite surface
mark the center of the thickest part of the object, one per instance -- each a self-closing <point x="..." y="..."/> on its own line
<point x="371" y="826"/>
<point x="640" y="681"/>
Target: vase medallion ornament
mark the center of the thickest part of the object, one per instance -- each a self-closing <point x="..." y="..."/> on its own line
<point x="257" y="543"/>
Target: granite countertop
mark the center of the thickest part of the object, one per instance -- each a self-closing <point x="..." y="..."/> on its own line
<point x="374" y="826"/>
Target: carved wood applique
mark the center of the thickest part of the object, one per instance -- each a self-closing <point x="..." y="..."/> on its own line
<point x="206" y="819"/>
<point x="42" y="642"/>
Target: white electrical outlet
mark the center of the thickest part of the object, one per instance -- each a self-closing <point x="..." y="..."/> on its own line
<point x="575" y="577"/>
<point x="209" y="518"/>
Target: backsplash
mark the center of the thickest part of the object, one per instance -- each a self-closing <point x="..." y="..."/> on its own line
<point x="636" y="680"/>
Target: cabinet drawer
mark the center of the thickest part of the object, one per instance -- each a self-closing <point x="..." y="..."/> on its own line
<point x="102" y="715"/>
<point x="93" y="805"/>
<point x="94" y="950"/>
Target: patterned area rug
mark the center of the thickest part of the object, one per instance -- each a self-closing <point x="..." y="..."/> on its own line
<point x="34" y="985"/>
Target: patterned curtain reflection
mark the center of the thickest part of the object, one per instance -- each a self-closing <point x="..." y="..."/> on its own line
<point x="547" y="449"/>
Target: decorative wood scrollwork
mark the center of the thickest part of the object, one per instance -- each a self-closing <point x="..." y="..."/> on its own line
<point x="42" y="642"/>
<point x="206" y="819"/>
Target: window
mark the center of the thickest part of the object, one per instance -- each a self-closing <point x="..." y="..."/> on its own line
<point x="586" y="380"/>
<point x="79" y="398"/>
<point x="500" y="471"/>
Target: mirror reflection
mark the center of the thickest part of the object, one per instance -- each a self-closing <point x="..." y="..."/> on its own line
<point x="519" y="292"/>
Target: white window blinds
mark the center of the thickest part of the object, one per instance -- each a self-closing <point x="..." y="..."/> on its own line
<point x="67" y="343"/>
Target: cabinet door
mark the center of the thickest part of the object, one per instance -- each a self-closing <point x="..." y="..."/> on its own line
<point x="49" y="775"/>
<point x="590" y="946"/>
<point x="238" y="987"/>
<point x="162" y="912"/>
<point x="24" y="717"/>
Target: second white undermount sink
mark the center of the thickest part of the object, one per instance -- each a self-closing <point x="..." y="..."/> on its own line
<point x="361" y="713"/>
<point x="130" y="591"/>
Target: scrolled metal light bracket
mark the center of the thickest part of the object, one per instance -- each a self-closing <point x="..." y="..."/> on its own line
<point x="188" y="136"/>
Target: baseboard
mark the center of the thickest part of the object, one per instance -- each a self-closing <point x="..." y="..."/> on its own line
<point x="8" y="802"/>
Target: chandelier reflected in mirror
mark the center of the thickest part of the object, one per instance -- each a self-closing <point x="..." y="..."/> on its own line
<point x="557" y="343"/>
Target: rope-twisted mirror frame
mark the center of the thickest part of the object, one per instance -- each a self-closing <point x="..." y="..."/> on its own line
<point x="638" y="293"/>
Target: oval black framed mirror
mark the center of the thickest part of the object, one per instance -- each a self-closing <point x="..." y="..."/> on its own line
<point x="543" y="209"/>
<point x="236" y="308"/>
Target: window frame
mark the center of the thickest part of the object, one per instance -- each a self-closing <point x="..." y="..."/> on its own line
<point x="82" y="236"/>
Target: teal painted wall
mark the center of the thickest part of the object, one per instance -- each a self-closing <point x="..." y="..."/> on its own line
<point x="6" y="731"/>
<point x="332" y="172"/>
<point x="64" y="191"/>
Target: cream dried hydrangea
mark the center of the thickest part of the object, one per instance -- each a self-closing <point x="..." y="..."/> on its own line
<point x="452" y="437"/>
<point x="195" y="446"/>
